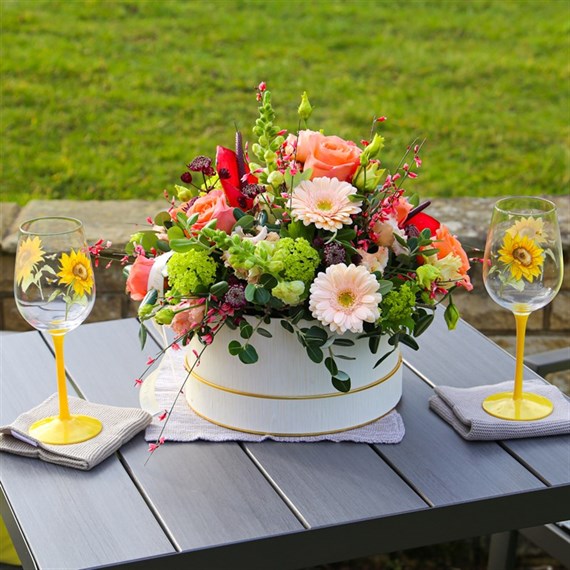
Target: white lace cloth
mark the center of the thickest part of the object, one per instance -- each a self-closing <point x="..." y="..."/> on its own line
<point x="159" y="392"/>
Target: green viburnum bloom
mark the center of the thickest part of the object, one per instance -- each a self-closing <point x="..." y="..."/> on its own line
<point x="300" y="260"/>
<point x="290" y="292"/>
<point x="186" y="271"/>
<point x="426" y="275"/>
<point x="398" y="305"/>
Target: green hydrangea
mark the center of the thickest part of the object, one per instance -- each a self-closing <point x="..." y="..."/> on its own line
<point x="186" y="271"/>
<point x="398" y="305"/>
<point x="300" y="260"/>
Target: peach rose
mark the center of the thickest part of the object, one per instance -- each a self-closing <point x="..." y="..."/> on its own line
<point x="137" y="282"/>
<point x="447" y="243"/>
<point x="213" y="206"/>
<point x="329" y="156"/>
<point x="402" y="208"/>
<point x="188" y="319"/>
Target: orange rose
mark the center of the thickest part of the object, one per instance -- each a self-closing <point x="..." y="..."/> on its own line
<point x="330" y="156"/>
<point x="209" y="207"/>
<point x="189" y="319"/>
<point x="402" y="208"/>
<point x="447" y="243"/>
<point x="137" y="282"/>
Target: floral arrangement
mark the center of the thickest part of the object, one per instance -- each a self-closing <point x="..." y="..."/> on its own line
<point x="300" y="227"/>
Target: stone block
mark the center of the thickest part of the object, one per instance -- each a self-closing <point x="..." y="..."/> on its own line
<point x="560" y="312"/>
<point x="485" y="315"/>
<point x="7" y="262"/>
<point x="8" y="213"/>
<point x="130" y="308"/>
<point x="113" y="220"/>
<point x="110" y="280"/>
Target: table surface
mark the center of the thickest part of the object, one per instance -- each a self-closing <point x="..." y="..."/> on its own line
<point x="261" y="505"/>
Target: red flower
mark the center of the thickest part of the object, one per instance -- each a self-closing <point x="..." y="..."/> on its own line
<point x="226" y="160"/>
<point x="422" y="221"/>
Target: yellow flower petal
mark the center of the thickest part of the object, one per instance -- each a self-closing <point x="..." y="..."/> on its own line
<point x="76" y="271"/>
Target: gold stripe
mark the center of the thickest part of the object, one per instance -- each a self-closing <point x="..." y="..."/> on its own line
<point x="289" y="434"/>
<point x="308" y="397"/>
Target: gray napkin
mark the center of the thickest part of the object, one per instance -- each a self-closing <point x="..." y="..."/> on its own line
<point x="119" y="426"/>
<point x="462" y="408"/>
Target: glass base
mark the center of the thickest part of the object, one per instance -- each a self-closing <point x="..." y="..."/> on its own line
<point x="57" y="431"/>
<point x="529" y="407"/>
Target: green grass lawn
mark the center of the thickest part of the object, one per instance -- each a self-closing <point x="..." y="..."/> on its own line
<point x="110" y="99"/>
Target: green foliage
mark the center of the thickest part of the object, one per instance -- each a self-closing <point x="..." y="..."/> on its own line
<point x="107" y="100"/>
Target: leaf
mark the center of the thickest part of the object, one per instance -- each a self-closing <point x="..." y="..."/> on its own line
<point x="238" y="213"/>
<point x="297" y="315"/>
<point x="409" y="341"/>
<point x="220" y="288"/>
<point x="248" y="355"/>
<point x="379" y="361"/>
<point x="316" y="335"/>
<point x="142" y="335"/>
<point x="163" y="245"/>
<point x="149" y="240"/>
<point x="184" y="245"/>
<point x="181" y="218"/>
<point x="343" y="342"/>
<point x="234" y="347"/>
<point x="48" y="269"/>
<point x="342" y="385"/>
<point x="344" y="357"/>
<point x="345" y="234"/>
<point x="161" y="218"/>
<point x="261" y="296"/>
<point x="331" y="366"/>
<point x="423" y="323"/>
<point x="150" y="298"/>
<point x="385" y="287"/>
<point x="55" y="294"/>
<point x="373" y="344"/>
<point x="246" y="222"/>
<point x="268" y="281"/>
<point x="250" y="292"/>
<point x="315" y="353"/>
<point x="287" y="326"/>
<point x="245" y="330"/>
<point x="191" y="221"/>
<point x="264" y="332"/>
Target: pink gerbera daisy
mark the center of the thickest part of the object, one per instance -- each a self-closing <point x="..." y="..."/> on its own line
<point x="344" y="297"/>
<point x="324" y="202"/>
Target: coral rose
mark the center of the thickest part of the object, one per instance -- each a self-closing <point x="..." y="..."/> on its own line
<point x="447" y="244"/>
<point x="213" y="206"/>
<point x="137" y="282"/>
<point x="330" y="156"/>
<point x="401" y="209"/>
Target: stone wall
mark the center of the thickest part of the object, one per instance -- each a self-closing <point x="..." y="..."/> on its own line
<point x="468" y="218"/>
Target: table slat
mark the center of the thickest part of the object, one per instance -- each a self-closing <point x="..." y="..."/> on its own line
<point x="72" y="519"/>
<point x="205" y="493"/>
<point x="464" y="357"/>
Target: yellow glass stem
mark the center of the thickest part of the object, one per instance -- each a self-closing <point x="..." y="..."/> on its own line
<point x="520" y="320"/>
<point x="61" y="380"/>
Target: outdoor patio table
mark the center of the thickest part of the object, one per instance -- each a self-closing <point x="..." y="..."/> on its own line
<point x="268" y="505"/>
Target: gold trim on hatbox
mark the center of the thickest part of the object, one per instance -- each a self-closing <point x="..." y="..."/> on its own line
<point x="304" y="397"/>
<point x="290" y="434"/>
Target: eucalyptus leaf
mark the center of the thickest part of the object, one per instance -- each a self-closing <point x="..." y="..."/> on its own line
<point x="379" y="361"/>
<point x="287" y="326"/>
<point x="315" y="353"/>
<point x="409" y="341"/>
<point x="248" y="355"/>
<point x="344" y="357"/>
<point x="161" y="218"/>
<point x="220" y="288"/>
<point x="261" y="296"/>
<point x="423" y="323"/>
<point x="264" y="332"/>
<point x="250" y="292"/>
<point x="234" y="347"/>
<point x="245" y="330"/>
<point x="341" y="385"/>
<point x="373" y="344"/>
<point x="142" y="335"/>
<point x="331" y="366"/>
<point x="343" y="342"/>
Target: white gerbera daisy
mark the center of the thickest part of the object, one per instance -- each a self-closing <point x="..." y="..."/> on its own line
<point x="324" y="202"/>
<point x="344" y="297"/>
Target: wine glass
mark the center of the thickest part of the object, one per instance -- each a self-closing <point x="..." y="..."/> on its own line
<point x="522" y="272"/>
<point x="55" y="292"/>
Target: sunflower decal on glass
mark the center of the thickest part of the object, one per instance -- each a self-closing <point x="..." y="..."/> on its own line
<point x="76" y="274"/>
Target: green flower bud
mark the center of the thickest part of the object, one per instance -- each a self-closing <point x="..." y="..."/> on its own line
<point x="368" y="178"/>
<point x="145" y="311"/>
<point x="275" y="179"/>
<point x="305" y="109"/>
<point x="372" y="150"/>
<point x="164" y="316"/>
<point x="451" y="315"/>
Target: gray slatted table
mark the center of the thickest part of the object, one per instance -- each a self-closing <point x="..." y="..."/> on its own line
<point x="268" y="505"/>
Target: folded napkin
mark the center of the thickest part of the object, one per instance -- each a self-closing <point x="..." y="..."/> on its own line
<point x="119" y="426"/>
<point x="160" y="389"/>
<point x="462" y="408"/>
